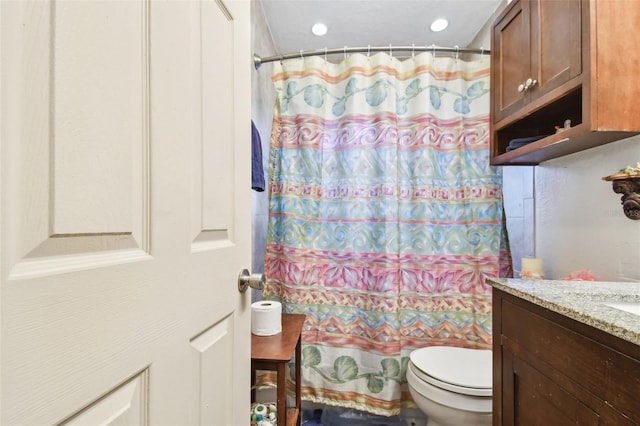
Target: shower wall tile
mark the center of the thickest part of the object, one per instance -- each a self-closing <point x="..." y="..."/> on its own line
<point x="529" y="223"/>
<point x="519" y="206"/>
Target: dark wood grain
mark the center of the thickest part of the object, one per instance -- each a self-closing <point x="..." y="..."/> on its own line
<point x="278" y="347"/>
<point x="550" y="369"/>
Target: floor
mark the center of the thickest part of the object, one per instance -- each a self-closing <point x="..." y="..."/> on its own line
<point x="323" y="415"/>
<point x="315" y="415"/>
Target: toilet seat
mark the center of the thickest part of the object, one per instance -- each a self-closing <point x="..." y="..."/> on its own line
<point x="461" y="370"/>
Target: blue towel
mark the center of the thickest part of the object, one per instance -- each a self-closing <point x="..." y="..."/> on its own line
<point x="519" y="143"/>
<point x="257" y="172"/>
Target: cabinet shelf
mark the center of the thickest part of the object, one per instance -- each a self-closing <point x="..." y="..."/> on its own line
<point x="558" y="145"/>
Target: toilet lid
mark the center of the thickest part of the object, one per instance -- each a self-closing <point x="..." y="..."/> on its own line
<point x="468" y="368"/>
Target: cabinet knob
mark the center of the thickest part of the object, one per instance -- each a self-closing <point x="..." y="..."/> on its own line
<point x="527" y="85"/>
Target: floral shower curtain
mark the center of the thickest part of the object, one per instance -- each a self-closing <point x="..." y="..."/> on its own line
<point x="384" y="218"/>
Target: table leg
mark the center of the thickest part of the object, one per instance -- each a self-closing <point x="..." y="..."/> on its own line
<point x="282" y="394"/>
<point x="298" y="385"/>
<point x="253" y="384"/>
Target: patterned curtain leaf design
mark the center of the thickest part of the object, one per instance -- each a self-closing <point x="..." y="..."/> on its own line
<point x="385" y="217"/>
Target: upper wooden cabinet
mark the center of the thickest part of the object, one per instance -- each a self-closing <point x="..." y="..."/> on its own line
<point x="563" y="60"/>
<point x="537" y="44"/>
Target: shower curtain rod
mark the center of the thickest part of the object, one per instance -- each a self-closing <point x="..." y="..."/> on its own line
<point x="257" y="60"/>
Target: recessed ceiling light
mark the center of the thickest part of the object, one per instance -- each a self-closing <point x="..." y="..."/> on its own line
<point x="319" y="29"/>
<point x="439" y="24"/>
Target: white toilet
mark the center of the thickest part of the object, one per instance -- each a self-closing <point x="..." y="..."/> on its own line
<point x="452" y="386"/>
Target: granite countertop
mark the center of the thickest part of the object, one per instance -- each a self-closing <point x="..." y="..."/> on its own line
<point x="583" y="301"/>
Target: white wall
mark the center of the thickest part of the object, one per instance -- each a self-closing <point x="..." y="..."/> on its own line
<point x="579" y="223"/>
<point x="262" y="104"/>
<point x="564" y="213"/>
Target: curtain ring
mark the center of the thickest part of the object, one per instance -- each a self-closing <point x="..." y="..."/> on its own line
<point x="345" y="52"/>
<point x="325" y="53"/>
<point x="433" y="50"/>
<point x="390" y="50"/>
<point x="301" y="57"/>
<point x="457" y="51"/>
<point x="368" y="50"/>
<point x="481" y="52"/>
<point x="413" y="49"/>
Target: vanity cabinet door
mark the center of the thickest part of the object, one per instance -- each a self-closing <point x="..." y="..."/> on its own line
<point x="534" y="399"/>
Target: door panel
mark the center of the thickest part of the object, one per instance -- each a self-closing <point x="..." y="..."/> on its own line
<point x="213" y="349"/>
<point x="98" y="116"/>
<point x="125" y="184"/>
<point x="212" y="192"/>
<point x="217" y="120"/>
<point x="80" y="182"/>
<point x="125" y="405"/>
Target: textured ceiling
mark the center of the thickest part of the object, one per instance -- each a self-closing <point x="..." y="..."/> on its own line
<point x="356" y="23"/>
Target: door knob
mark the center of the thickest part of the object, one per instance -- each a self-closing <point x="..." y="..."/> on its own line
<point x="246" y="280"/>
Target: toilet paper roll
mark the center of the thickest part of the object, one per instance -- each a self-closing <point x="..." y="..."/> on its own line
<point x="266" y="318"/>
<point x="260" y="410"/>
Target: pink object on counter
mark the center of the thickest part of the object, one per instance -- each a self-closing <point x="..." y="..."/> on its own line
<point x="581" y="276"/>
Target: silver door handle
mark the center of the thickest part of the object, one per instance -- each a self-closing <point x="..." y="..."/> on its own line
<point x="246" y="280"/>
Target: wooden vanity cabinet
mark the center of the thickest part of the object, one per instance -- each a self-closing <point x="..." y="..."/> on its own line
<point x="563" y="60"/>
<point x="549" y="369"/>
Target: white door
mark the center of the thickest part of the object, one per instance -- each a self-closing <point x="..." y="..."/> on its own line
<point x="124" y="169"/>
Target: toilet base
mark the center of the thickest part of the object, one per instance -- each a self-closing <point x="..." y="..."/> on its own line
<point x="441" y="415"/>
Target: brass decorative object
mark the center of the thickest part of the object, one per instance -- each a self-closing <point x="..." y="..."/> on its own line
<point x="627" y="183"/>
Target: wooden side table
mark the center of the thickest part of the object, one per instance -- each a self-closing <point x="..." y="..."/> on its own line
<point x="272" y="353"/>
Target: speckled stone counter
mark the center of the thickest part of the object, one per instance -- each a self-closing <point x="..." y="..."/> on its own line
<point x="583" y="301"/>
